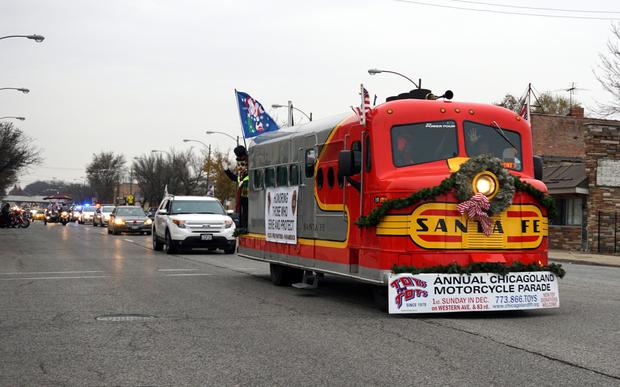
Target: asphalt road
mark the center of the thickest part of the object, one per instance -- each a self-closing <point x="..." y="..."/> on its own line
<point x="68" y="295"/>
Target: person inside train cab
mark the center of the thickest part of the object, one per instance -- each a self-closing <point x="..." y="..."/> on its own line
<point x="403" y="154"/>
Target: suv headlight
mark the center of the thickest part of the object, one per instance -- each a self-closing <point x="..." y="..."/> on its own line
<point x="179" y="223"/>
<point x="228" y="223"/>
<point x="148" y="221"/>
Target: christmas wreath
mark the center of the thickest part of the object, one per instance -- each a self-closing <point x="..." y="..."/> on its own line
<point x="464" y="177"/>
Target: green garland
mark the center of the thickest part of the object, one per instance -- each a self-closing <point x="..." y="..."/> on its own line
<point x="461" y="180"/>
<point x="482" y="267"/>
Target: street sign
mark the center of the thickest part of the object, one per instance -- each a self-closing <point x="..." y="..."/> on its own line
<point x="130" y="199"/>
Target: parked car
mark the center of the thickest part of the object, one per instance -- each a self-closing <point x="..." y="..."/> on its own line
<point x="87" y="214"/>
<point x="193" y="221"/>
<point x="102" y="215"/>
<point x="129" y="219"/>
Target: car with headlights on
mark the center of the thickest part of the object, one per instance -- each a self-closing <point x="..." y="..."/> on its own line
<point x="129" y="219"/>
<point x="102" y="215"/>
<point x="193" y="222"/>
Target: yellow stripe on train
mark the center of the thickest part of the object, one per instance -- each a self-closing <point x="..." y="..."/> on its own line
<point x="440" y="226"/>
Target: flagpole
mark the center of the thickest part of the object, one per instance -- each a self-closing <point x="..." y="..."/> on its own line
<point x="528" y="99"/>
<point x="240" y="120"/>
<point x="363" y="106"/>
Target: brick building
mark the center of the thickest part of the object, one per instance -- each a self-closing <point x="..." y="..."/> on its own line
<point x="582" y="171"/>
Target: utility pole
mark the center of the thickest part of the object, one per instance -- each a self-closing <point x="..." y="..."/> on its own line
<point x="208" y="167"/>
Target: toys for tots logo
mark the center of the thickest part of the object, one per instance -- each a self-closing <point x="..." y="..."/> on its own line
<point x="408" y="288"/>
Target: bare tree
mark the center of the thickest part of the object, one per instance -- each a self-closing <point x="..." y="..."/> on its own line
<point x="609" y="73"/>
<point x="16" y="154"/>
<point x="509" y="102"/>
<point x="104" y="174"/>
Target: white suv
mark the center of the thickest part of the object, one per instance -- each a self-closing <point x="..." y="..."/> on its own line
<point x="193" y="221"/>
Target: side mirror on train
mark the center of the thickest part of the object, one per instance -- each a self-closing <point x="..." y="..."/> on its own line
<point x="538" y="168"/>
<point x="349" y="162"/>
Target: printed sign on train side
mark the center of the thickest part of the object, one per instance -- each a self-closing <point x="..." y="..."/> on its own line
<point x="436" y="293"/>
<point x="281" y="214"/>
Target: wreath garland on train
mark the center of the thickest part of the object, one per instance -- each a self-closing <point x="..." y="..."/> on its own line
<point x="461" y="182"/>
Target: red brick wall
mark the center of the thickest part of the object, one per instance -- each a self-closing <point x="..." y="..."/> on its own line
<point x="565" y="237"/>
<point x="558" y="135"/>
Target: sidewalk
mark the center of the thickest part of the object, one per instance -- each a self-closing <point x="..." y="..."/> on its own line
<point x="584" y="258"/>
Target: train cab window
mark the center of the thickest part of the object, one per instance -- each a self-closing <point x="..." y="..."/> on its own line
<point x="310" y="160"/>
<point x="330" y="177"/>
<point x="356" y="146"/>
<point x="282" y="175"/>
<point x="257" y="179"/>
<point x="423" y="142"/>
<point x="294" y="174"/>
<point x="340" y="180"/>
<point x="270" y="177"/>
<point x="319" y="178"/>
<point x="483" y="139"/>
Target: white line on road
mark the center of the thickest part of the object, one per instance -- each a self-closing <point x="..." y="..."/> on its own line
<point x="187" y="274"/>
<point x="53" y="278"/>
<point x="176" y="269"/>
<point x="52" y="272"/>
<point x="128" y="240"/>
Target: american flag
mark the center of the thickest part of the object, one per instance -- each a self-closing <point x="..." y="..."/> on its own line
<point x="363" y="112"/>
<point x="524" y="112"/>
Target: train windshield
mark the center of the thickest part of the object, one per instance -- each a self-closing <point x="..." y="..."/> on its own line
<point x="483" y="139"/>
<point x="423" y="142"/>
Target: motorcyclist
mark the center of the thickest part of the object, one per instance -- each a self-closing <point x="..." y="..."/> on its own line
<point x="5" y="214"/>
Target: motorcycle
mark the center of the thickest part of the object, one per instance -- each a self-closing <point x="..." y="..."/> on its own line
<point x="15" y="219"/>
<point x="51" y="216"/>
<point x="65" y="217"/>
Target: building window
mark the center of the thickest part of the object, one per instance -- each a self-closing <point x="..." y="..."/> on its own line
<point x="569" y="212"/>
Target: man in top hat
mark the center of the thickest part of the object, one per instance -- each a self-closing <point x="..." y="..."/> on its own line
<point x="242" y="179"/>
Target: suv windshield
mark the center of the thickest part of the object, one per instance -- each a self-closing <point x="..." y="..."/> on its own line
<point x="130" y="212"/>
<point x="197" y="207"/>
<point x="107" y="208"/>
<point x="423" y="142"/>
<point x="483" y="139"/>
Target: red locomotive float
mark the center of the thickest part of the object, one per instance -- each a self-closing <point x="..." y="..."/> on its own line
<point x="396" y="193"/>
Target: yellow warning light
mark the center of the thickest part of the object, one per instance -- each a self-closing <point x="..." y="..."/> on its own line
<point x="518" y="118"/>
<point x="471" y="111"/>
<point x="457" y="110"/>
<point x="443" y="110"/>
<point x="390" y="111"/>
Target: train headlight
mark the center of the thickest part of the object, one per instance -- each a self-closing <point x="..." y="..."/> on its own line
<point x="486" y="183"/>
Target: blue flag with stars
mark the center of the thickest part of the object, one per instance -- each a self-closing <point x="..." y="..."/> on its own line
<point x="254" y="119"/>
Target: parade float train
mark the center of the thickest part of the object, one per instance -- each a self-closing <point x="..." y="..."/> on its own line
<point x="344" y="170"/>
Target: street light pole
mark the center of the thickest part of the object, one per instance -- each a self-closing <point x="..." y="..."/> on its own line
<point x="208" y="158"/>
<point x="35" y="37"/>
<point x="227" y="135"/>
<point x="14" y="117"/>
<point x="290" y="110"/>
<point x="22" y="89"/>
<point x="377" y="71"/>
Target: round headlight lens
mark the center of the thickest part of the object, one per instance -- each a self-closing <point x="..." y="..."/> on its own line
<point x="486" y="183"/>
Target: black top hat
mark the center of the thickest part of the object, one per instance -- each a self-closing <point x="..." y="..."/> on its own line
<point x="241" y="152"/>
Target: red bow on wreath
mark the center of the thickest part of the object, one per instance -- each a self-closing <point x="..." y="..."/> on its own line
<point x="476" y="208"/>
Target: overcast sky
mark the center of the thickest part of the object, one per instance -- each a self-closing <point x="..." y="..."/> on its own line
<point x="133" y="75"/>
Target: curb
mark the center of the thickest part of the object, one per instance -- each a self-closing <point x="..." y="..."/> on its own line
<point x="581" y="262"/>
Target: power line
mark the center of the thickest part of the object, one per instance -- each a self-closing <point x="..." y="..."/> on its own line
<point x="506" y="12"/>
<point x="535" y="8"/>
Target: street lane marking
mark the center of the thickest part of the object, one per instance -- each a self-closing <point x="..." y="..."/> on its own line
<point x="52" y="272"/>
<point x="188" y="274"/>
<point x="128" y="240"/>
<point x="54" y="278"/>
<point x="176" y="269"/>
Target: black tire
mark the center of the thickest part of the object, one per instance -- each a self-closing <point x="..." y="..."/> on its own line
<point x="231" y="250"/>
<point x="64" y="223"/>
<point x="94" y="224"/>
<point x="25" y="223"/>
<point x="170" y="248"/>
<point x="157" y="245"/>
<point x="116" y="232"/>
<point x="109" y="231"/>
<point x="283" y="275"/>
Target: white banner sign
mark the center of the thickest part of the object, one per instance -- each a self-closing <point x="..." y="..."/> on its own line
<point x="436" y="293"/>
<point x="281" y="214"/>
